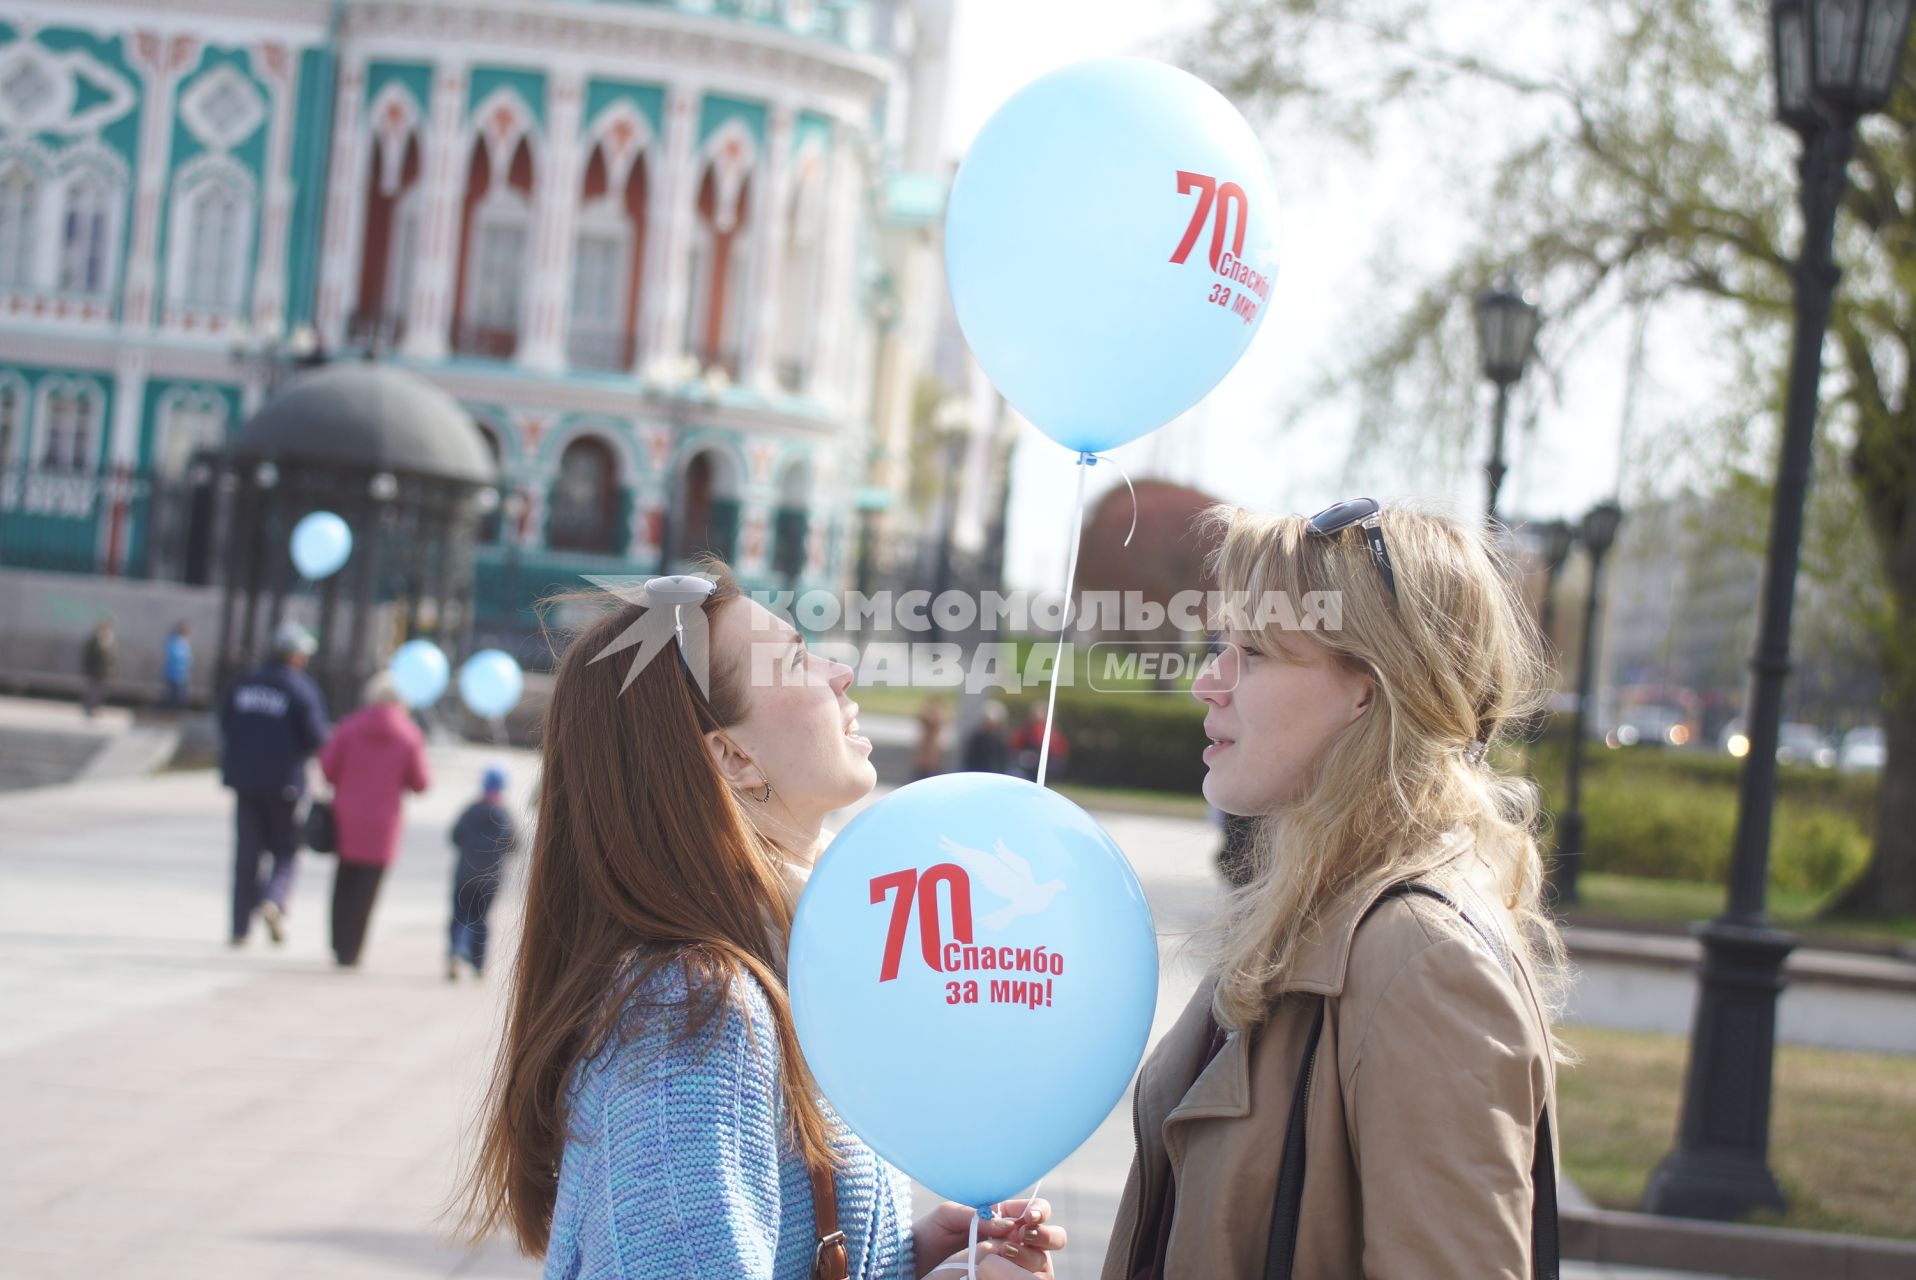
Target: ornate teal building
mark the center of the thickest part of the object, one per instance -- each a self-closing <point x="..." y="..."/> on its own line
<point x="645" y="244"/>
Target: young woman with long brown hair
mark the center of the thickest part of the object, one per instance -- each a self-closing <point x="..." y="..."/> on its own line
<point x="651" y="1114"/>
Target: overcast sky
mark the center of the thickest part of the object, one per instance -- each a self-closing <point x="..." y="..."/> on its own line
<point x="1336" y="213"/>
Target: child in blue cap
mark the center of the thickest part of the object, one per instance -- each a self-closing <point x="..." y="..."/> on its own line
<point x="484" y="835"/>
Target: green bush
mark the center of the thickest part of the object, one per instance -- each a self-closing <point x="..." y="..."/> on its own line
<point x="1668" y="815"/>
<point x="1678" y="829"/>
<point x="1140" y="741"/>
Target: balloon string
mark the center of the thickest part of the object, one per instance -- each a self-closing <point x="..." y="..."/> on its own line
<point x="1092" y="459"/>
<point x="971" y="1250"/>
<point x="1085" y="460"/>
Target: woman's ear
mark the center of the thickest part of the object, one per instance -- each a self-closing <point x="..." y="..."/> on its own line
<point x="1364" y="692"/>
<point x="739" y="770"/>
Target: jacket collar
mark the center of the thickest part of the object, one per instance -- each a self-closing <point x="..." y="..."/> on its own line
<point x="1323" y="958"/>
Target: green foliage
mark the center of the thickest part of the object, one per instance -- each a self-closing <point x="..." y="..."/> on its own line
<point x="1143" y="741"/>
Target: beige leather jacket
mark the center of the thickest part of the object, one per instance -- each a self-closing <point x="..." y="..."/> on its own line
<point x="1432" y="1069"/>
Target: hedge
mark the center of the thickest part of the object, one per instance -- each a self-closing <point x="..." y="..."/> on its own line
<point x="1660" y="814"/>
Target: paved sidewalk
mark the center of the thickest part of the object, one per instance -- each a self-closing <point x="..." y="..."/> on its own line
<point x="170" y="1108"/>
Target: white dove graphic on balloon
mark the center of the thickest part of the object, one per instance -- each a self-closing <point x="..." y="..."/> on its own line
<point x="1003" y="874"/>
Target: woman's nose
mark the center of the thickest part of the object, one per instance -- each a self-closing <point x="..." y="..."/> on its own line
<point x="838" y="676"/>
<point x="1211" y="688"/>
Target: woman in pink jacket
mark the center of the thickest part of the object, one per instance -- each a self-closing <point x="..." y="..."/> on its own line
<point x="375" y="756"/>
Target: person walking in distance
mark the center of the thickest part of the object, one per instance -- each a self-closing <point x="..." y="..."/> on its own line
<point x="377" y="756"/>
<point x="271" y="722"/>
<point x="97" y="664"/>
<point x="177" y="667"/>
<point x="485" y="836"/>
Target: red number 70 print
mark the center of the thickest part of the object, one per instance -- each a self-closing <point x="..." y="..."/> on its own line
<point x="908" y="884"/>
<point x="1223" y="198"/>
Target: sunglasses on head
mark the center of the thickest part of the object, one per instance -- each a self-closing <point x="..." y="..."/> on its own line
<point x="1367" y="515"/>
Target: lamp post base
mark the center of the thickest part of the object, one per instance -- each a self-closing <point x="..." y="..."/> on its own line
<point x="1720" y="1168"/>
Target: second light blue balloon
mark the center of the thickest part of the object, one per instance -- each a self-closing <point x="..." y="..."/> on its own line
<point x="419" y="673"/>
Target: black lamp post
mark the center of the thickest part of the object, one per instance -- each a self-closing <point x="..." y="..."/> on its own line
<point x="1555" y="538"/>
<point x="1597" y="533"/>
<point x="1836" y="61"/>
<point x="1506" y="334"/>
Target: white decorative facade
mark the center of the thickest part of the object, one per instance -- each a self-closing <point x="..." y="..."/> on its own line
<point x="641" y="242"/>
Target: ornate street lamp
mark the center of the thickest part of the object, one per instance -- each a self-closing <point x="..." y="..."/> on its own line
<point x="1597" y="533"/>
<point x="1835" y="61"/>
<point x="1506" y="334"/>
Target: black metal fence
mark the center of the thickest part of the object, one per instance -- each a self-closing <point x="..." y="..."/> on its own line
<point x="121" y="521"/>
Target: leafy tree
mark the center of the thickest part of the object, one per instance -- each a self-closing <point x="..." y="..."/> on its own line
<point x="1635" y="169"/>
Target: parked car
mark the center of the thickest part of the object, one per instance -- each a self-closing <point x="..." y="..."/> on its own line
<point x="1796" y="743"/>
<point x="1863" y="750"/>
<point x="1649" y="725"/>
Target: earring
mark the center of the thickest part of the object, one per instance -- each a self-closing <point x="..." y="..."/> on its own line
<point x="767" y="796"/>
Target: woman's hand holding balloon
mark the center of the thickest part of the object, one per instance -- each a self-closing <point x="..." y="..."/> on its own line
<point x="1020" y="1235"/>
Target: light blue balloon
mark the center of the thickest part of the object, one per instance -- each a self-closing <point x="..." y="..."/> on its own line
<point x="491" y="682"/>
<point x="975" y="1092"/>
<point x="419" y="673"/>
<point x="321" y="543"/>
<point x="1111" y="244"/>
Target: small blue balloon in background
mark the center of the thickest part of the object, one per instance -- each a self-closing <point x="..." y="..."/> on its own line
<point x="1111" y="247"/>
<point x="973" y="971"/>
<point x="490" y="681"/>
<point x="321" y="543"/>
<point x="419" y="673"/>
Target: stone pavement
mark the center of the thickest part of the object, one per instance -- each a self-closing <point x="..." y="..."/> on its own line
<point x="170" y="1108"/>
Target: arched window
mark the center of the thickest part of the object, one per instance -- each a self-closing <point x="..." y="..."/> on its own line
<point x="86" y="234"/>
<point x="792" y="521"/>
<point x="708" y="509"/>
<point x="391" y="244"/>
<point x="585" y="500"/>
<point x="190" y="423"/>
<point x="19" y="215"/>
<point x="798" y="285"/>
<point x="13" y="418"/>
<point x="212" y="241"/>
<point x="715" y="318"/>
<point x="497" y="237"/>
<point x="493" y="524"/>
<point x="69" y="427"/>
<point x="606" y="259"/>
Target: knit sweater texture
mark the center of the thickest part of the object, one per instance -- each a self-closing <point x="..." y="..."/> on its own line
<point x="678" y="1162"/>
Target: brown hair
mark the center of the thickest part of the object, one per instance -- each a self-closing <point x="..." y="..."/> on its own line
<point x="642" y="861"/>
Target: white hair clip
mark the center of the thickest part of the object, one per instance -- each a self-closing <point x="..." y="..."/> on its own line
<point x="678" y="590"/>
<point x="1476" y="751"/>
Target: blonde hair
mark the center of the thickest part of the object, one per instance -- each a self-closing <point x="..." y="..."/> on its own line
<point x="1456" y="665"/>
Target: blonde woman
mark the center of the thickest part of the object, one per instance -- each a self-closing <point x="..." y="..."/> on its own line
<point x="1364" y="1084"/>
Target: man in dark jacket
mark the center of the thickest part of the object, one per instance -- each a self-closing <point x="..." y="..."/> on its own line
<point x="271" y="722"/>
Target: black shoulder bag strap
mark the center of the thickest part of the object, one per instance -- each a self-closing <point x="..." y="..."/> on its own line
<point x="1288" y="1211"/>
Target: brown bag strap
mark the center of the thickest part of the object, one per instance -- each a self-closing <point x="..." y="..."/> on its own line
<point x="831" y="1260"/>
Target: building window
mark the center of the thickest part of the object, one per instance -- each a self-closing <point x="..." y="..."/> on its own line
<point x="606" y="261"/>
<point x="391" y="242"/>
<point x="798" y="289"/>
<point x="714" y="320"/>
<point x="791" y="523"/>
<point x="498" y="266"/>
<point x="19" y="211"/>
<point x="493" y="253"/>
<point x="585" y="500"/>
<point x="600" y="263"/>
<point x="708" y="509"/>
<point x="70" y="421"/>
<point x="12" y="420"/>
<point x="402" y="256"/>
<point x="213" y="230"/>
<point x="190" y="424"/>
<point x="86" y="235"/>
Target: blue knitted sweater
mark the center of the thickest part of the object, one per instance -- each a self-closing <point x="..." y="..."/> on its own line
<point x="678" y="1162"/>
